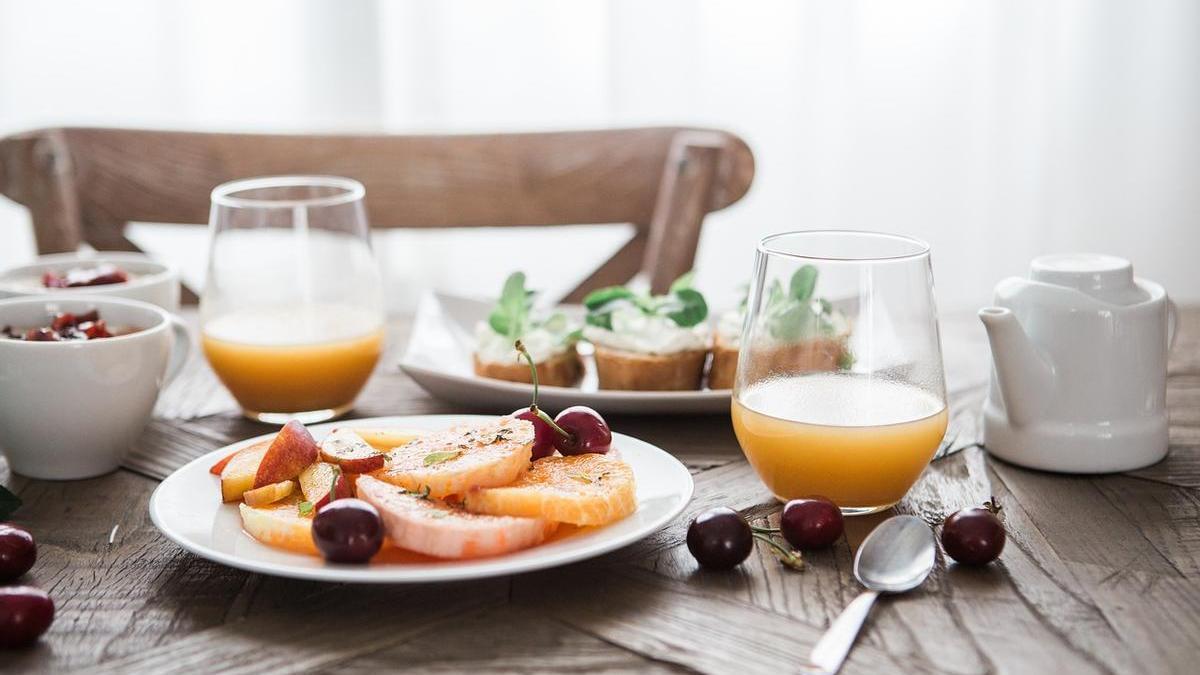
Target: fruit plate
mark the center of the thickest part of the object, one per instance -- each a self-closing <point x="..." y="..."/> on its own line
<point x="439" y="359"/>
<point x="186" y="508"/>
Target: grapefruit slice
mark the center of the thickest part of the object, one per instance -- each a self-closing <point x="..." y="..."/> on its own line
<point x="435" y="528"/>
<point x="454" y="461"/>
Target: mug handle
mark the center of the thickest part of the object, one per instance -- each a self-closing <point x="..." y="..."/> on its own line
<point x="1172" y="323"/>
<point x="180" y="351"/>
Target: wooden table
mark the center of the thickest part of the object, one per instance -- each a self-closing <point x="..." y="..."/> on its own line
<point x="1100" y="574"/>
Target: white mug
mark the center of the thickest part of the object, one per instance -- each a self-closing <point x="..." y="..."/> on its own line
<point x="71" y="409"/>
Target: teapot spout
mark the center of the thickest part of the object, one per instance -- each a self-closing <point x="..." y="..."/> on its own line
<point x="1024" y="376"/>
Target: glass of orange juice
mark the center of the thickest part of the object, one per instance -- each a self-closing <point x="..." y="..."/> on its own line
<point x="839" y="389"/>
<point x="291" y="317"/>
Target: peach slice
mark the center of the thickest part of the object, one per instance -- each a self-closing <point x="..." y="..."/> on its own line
<point x="268" y="493"/>
<point x="346" y="449"/>
<point x="217" y="468"/>
<point x="316" y="480"/>
<point x="279" y="524"/>
<point x="238" y="474"/>
<point x="384" y="439"/>
<point x="292" y="450"/>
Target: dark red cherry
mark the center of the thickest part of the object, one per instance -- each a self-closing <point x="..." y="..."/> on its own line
<point x="811" y="522"/>
<point x="587" y="431"/>
<point x="543" y="433"/>
<point x="974" y="536"/>
<point x="719" y="538"/>
<point x="17" y="551"/>
<point x="347" y="531"/>
<point x="25" y="613"/>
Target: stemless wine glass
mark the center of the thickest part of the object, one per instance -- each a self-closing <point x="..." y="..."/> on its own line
<point x="292" y="313"/>
<point x="839" y="390"/>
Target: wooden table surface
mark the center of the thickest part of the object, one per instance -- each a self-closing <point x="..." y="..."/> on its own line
<point x="1100" y="574"/>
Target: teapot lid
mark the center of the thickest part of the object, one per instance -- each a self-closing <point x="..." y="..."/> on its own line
<point x="1105" y="277"/>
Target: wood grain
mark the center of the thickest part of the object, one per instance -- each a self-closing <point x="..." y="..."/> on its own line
<point x="1101" y="574"/>
<point x="86" y="184"/>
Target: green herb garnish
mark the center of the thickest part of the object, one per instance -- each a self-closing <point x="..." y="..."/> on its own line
<point x="9" y="503"/>
<point x="794" y="314"/>
<point x="682" y="304"/>
<point x="442" y="456"/>
<point x="511" y="313"/>
<point x="304" y="508"/>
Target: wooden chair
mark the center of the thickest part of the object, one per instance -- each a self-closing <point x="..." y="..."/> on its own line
<point x="84" y="185"/>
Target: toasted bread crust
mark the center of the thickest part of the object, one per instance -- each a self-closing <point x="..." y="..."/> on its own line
<point x="560" y="370"/>
<point x="808" y="356"/>
<point x="724" y="365"/>
<point x="619" y="369"/>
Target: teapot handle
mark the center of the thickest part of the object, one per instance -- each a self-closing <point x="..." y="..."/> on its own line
<point x="1172" y="323"/>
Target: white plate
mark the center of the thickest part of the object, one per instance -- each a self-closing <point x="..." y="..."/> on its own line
<point x="187" y="508"/>
<point x="439" y="359"/>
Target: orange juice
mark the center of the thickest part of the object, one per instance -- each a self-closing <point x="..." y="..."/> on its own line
<point x="859" y="441"/>
<point x="291" y="361"/>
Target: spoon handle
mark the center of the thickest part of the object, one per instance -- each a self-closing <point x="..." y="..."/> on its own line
<point x="835" y="644"/>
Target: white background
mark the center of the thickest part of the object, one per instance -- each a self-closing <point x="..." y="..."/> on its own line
<point x="996" y="130"/>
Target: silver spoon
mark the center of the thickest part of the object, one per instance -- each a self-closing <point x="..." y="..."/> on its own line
<point x="896" y="557"/>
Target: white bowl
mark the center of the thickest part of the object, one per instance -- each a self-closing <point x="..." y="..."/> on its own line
<point x="155" y="282"/>
<point x="72" y="409"/>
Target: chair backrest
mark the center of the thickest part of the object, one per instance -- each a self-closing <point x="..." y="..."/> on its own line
<point x="84" y="185"/>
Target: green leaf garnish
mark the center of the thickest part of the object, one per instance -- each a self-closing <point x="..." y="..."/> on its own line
<point x="602" y="296"/>
<point x="690" y="308"/>
<point x="9" y="503"/>
<point x="442" y="456"/>
<point x="304" y="508"/>
<point x="846" y="359"/>
<point x="804" y="280"/>
<point x="511" y="312"/>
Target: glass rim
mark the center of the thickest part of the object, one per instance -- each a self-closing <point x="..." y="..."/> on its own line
<point x="223" y="194"/>
<point x="922" y="247"/>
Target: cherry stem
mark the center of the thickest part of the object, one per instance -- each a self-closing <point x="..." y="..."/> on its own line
<point x="533" y="407"/>
<point x="992" y="505"/>
<point x="765" y="530"/>
<point x="786" y="556"/>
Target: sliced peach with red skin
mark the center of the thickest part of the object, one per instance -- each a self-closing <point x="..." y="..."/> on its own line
<point x="217" y="468"/>
<point x="269" y="494"/>
<point x="316" y="480"/>
<point x="239" y="472"/>
<point x="346" y="449"/>
<point x="290" y="453"/>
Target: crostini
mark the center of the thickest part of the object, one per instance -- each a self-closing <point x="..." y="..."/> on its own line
<point x="550" y="340"/>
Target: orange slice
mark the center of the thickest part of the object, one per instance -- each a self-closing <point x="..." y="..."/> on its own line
<point x="582" y="490"/>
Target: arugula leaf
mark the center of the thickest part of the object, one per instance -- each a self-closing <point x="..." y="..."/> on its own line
<point x="804" y="280"/>
<point x="9" y="503"/>
<point x="691" y="308"/>
<point x="509" y="316"/>
<point x="793" y="321"/>
<point x="684" y="281"/>
<point x="602" y="296"/>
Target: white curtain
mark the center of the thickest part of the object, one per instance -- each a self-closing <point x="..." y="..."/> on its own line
<point x="996" y="130"/>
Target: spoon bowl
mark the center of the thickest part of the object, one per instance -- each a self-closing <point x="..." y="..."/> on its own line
<point x="896" y="556"/>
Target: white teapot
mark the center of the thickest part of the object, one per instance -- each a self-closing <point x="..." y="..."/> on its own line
<point x="1079" y="352"/>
